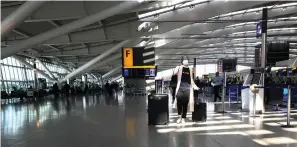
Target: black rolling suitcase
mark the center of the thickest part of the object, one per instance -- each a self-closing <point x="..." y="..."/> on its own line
<point x="158" y="113"/>
<point x="200" y="109"/>
<point x="199" y="113"/>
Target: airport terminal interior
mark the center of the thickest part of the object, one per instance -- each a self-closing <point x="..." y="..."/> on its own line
<point x="143" y="73"/>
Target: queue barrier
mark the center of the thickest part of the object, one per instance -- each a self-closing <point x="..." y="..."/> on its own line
<point x="288" y="125"/>
<point x="290" y="94"/>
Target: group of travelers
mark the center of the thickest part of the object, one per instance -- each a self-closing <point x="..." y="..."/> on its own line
<point x="67" y="89"/>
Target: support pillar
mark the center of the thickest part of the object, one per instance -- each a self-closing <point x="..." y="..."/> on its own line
<point x="111" y="72"/>
<point x="35" y="75"/>
<point x="85" y="80"/>
<point x="89" y="65"/>
<point x="116" y="78"/>
<point x="194" y="67"/>
<point x="2" y="82"/>
<point x="47" y="70"/>
<point x="18" y="16"/>
<point x="38" y="39"/>
<point x="95" y="77"/>
<point x="264" y="38"/>
<point x="264" y="52"/>
<point x="26" y="76"/>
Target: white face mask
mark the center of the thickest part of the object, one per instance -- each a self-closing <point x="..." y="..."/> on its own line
<point x="185" y="62"/>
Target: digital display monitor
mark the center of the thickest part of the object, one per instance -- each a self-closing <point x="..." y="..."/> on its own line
<point x="126" y="72"/>
<point x="290" y="72"/>
<point x="282" y="72"/>
<point x="139" y="72"/>
<point x="256" y="78"/>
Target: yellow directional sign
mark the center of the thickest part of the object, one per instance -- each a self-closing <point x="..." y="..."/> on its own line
<point x="128" y="57"/>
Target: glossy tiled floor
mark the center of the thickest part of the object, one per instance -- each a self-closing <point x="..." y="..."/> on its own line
<point x="98" y="121"/>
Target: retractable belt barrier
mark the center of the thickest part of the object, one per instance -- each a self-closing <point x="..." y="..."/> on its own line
<point x="288" y="125"/>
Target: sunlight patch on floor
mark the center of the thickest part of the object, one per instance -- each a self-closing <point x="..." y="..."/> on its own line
<point x="275" y="141"/>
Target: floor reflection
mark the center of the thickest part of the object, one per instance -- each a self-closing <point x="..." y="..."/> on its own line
<point x="18" y="115"/>
<point x="101" y="120"/>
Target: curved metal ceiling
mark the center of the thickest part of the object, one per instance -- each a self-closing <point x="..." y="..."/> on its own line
<point x="207" y="29"/>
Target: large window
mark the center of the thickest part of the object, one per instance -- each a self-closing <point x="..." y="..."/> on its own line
<point x="15" y="74"/>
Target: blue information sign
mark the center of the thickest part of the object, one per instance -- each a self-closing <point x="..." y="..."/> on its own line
<point x="259" y="30"/>
<point x="233" y="93"/>
<point x="126" y="72"/>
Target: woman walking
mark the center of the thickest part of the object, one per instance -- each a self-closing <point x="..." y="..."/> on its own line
<point x="184" y="93"/>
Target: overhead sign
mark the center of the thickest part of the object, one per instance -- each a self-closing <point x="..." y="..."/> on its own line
<point x="138" y="57"/>
<point x="127" y="57"/>
<point x="259" y="30"/>
<point x="138" y="62"/>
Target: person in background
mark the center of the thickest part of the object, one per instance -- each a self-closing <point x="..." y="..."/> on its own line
<point x="86" y="90"/>
<point x="67" y="90"/>
<point x="217" y="83"/>
<point x="56" y="90"/>
<point x="107" y="88"/>
<point x="198" y="83"/>
<point x="184" y="95"/>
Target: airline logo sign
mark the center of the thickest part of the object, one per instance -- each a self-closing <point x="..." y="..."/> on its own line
<point x="128" y="57"/>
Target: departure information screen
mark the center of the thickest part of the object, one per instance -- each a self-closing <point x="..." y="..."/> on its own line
<point x="139" y="72"/>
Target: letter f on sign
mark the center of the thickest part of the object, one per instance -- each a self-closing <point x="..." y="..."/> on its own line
<point x="128" y="57"/>
<point x="127" y="53"/>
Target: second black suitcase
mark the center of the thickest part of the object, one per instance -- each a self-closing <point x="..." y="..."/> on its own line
<point x="199" y="113"/>
<point x="158" y="113"/>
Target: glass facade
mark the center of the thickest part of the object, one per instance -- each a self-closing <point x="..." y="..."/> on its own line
<point x="15" y="74"/>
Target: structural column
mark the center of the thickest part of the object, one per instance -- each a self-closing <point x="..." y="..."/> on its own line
<point x="194" y="67"/>
<point x="2" y="81"/>
<point x="35" y="75"/>
<point x="90" y="64"/>
<point x="264" y="38"/>
<point x="111" y="72"/>
<point x="116" y="78"/>
<point x="85" y="83"/>
<point x="19" y="16"/>
<point x="47" y="70"/>
<point x="264" y="52"/>
<point x="26" y="77"/>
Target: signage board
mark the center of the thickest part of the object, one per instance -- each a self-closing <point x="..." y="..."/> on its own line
<point x="138" y="62"/>
<point x="259" y="29"/>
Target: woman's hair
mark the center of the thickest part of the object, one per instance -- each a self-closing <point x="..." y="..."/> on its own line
<point x="183" y="58"/>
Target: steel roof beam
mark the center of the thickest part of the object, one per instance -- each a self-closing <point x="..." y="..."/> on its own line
<point x="38" y="39"/>
<point x="18" y="16"/>
<point x="32" y="67"/>
<point x="89" y="65"/>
